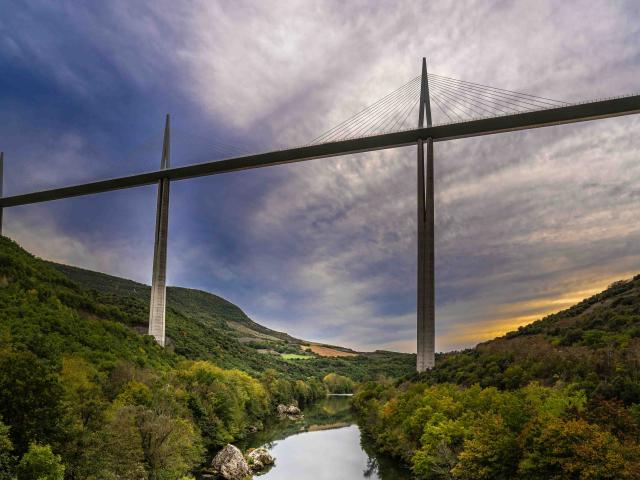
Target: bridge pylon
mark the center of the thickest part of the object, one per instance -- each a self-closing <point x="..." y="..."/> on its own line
<point x="157" y="307"/>
<point x="426" y="248"/>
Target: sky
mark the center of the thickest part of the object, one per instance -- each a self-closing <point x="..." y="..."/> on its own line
<point x="527" y="223"/>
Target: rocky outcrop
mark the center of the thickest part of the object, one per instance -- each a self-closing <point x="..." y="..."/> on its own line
<point x="259" y="459"/>
<point x="230" y="464"/>
<point x="289" y="411"/>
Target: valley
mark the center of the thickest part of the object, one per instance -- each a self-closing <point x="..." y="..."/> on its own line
<point x="83" y="386"/>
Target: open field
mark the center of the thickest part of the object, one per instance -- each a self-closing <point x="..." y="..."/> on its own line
<point x="295" y="356"/>
<point x="325" y="351"/>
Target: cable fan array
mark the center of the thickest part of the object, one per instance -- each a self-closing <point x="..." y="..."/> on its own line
<point x="459" y="100"/>
<point x="452" y="100"/>
<point x="391" y="113"/>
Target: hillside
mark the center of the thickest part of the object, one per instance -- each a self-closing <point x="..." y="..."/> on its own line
<point x="559" y="398"/>
<point x="196" y="304"/>
<point x="84" y="392"/>
<point x="595" y="343"/>
<point x="204" y="326"/>
<point x="81" y="392"/>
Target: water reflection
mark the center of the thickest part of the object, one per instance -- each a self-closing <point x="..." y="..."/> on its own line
<point x="327" y="444"/>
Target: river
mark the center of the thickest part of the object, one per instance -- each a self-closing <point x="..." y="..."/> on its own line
<point x="326" y="445"/>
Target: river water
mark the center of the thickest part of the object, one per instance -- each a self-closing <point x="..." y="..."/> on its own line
<point x="326" y="445"/>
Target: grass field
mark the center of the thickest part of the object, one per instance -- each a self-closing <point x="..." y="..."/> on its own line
<point x="295" y="356"/>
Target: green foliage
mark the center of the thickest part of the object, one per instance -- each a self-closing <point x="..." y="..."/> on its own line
<point x="594" y="344"/>
<point x="204" y="326"/>
<point x="224" y="403"/>
<point x="40" y="463"/>
<point x="30" y="398"/>
<point x="572" y="448"/>
<point x="490" y="451"/>
<point x="338" y="384"/>
<point x="450" y="432"/>
<point x="7" y="460"/>
<point x="171" y="444"/>
<point x="110" y="404"/>
<point x="283" y="391"/>
<point x="117" y="449"/>
<point x="558" y="399"/>
<point x="296" y="356"/>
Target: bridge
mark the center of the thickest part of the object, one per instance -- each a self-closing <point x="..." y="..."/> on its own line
<point x="466" y="109"/>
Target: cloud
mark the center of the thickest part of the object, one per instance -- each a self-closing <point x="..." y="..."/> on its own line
<point x="525" y="222"/>
<point x="35" y="231"/>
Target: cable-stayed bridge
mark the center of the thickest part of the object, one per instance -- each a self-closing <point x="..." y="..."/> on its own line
<point x="427" y="109"/>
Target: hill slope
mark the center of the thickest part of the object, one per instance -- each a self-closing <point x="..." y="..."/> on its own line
<point x="595" y="343"/>
<point x="201" y="325"/>
<point x="196" y="304"/>
<point x="85" y="393"/>
<point x="559" y="398"/>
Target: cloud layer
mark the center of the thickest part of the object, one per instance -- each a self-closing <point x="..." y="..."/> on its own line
<point x="527" y="223"/>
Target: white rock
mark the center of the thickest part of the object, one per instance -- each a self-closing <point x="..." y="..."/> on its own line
<point x="293" y="410"/>
<point x="260" y="458"/>
<point x="231" y="464"/>
<point x="289" y="411"/>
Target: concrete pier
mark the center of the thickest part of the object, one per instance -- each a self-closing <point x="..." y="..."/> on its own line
<point x="427" y="358"/>
<point x="157" y="307"/>
<point x="426" y="253"/>
<point x="426" y="260"/>
<point x="420" y="304"/>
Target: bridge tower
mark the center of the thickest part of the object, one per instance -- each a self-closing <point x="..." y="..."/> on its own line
<point x="426" y="265"/>
<point x="157" y="307"/>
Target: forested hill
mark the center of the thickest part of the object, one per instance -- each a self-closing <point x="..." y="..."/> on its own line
<point x="201" y="325"/>
<point x="205" y="326"/>
<point x="194" y="304"/>
<point x="557" y="399"/>
<point x="595" y="343"/>
<point x="84" y="393"/>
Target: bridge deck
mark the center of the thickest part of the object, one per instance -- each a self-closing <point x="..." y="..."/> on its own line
<point x="534" y="119"/>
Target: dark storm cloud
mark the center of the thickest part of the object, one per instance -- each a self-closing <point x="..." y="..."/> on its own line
<point x="526" y="222"/>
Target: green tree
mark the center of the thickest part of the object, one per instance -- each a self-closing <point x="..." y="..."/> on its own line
<point x="571" y="449"/>
<point x="441" y="444"/>
<point x="338" y="383"/>
<point x="117" y="449"/>
<point x="30" y="399"/>
<point x="40" y="463"/>
<point x="171" y="446"/>
<point x="223" y="403"/>
<point x="490" y="452"/>
<point x="83" y="405"/>
<point x="6" y="457"/>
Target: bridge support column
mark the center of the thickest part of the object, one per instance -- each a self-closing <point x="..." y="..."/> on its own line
<point x="426" y="266"/>
<point x="157" y="307"/>
<point x="426" y="257"/>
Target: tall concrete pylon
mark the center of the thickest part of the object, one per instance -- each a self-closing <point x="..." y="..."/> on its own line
<point x="426" y="248"/>
<point x="157" y="307"/>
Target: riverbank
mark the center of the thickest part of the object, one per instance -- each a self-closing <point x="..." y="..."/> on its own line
<point x="326" y="444"/>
